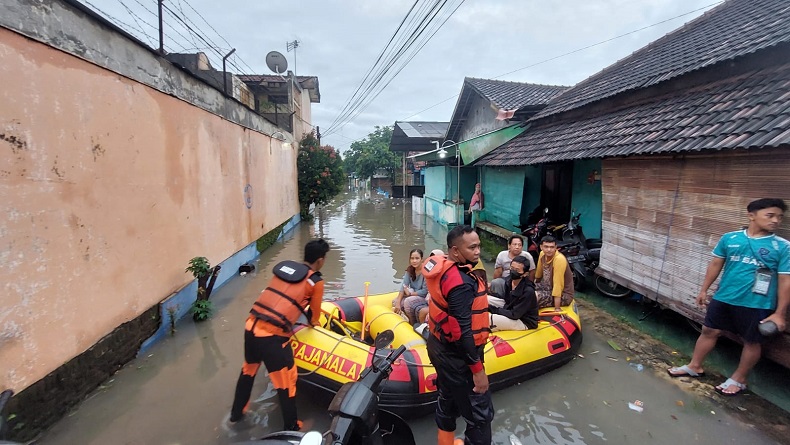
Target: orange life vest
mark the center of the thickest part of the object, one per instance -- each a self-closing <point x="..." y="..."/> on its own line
<point x="440" y="323"/>
<point x="288" y="293"/>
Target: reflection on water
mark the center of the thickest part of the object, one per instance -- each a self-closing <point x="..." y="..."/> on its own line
<point x="534" y="425"/>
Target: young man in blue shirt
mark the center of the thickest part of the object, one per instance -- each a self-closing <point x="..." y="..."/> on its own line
<point x="754" y="289"/>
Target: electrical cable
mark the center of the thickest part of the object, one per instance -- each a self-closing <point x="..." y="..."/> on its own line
<point x="408" y="60"/>
<point x="414" y="40"/>
<point x="573" y="52"/>
<point x="415" y="34"/>
<point x="372" y="67"/>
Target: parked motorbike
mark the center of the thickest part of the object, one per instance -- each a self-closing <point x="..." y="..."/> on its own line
<point x="573" y="233"/>
<point x="532" y="233"/>
<point x="356" y="418"/>
<point x="581" y="260"/>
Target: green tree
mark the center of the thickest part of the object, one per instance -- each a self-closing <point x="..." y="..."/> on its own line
<point x="320" y="173"/>
<point x="373" y="154"/>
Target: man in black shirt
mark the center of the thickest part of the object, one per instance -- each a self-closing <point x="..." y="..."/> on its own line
<point x="517" y="309"/>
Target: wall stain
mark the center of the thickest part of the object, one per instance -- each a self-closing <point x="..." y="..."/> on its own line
<point x="17" y="144"/>
<point x="55" y="170"/>
<point x="97" y="151"/>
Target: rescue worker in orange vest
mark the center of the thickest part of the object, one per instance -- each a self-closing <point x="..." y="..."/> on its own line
<point x="270" y="325"/>
<point x="459" y="325"/>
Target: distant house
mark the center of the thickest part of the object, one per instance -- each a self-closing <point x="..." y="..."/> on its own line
<point x="199" y="65"/>
<point x="486" y="115"/>
<point x="683" y="133"/>
<point x="409" y="139"/>
<point x="285" y="100"/>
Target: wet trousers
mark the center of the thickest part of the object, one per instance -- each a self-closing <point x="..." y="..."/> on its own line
<point x="457" y="398"/>
<point x="276" y="354"/>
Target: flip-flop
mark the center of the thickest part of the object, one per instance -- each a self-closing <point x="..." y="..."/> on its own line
<point x="730" y="382"/>
<point x="684" y="371"/>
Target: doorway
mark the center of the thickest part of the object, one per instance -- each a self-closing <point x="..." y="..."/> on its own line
<point x="557" y="190"/>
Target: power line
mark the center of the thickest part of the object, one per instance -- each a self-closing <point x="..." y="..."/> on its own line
<point x="413" y="54"/>
<point x="415" y="40"/>
<point x="381" y="54"/>
<point x="383" y="70"/>
<point x="573" y="52"/>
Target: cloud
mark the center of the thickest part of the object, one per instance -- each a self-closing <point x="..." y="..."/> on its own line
<point x="340" y="40"/>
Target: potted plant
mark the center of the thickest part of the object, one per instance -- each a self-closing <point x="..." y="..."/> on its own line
<point x="206" y="276"/>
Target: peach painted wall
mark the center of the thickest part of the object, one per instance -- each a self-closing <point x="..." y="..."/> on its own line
<point x="108" y="188"/>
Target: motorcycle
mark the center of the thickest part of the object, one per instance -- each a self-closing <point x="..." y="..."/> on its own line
<point x="533" y="233"/>
<point x="356" y="418"/>
<point x="587" y="251"/>
<point x="573" y="233"/>
<point x="581" y="260"/>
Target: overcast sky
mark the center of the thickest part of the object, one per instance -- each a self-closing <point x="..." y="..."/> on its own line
<point x="340" y="40"/>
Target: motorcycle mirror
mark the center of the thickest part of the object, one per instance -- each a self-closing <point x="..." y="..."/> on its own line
<point x="312" y="438"/>
<point x="384" y="339"/>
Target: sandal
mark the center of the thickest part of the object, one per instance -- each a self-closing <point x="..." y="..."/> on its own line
<point x="684" y="371"/>
<point x="722" y="389"/>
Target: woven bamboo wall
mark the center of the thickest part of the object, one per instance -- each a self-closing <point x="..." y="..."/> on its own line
<point x="663" y="216"/>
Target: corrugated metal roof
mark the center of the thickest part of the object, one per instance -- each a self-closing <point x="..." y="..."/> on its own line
<point x="751" y="110"/>
<point x="434" y="130"/>
<point x="417" y="135"/>
<point x="735" y="28"/>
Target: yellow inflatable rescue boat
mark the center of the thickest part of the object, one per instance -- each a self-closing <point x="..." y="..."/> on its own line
<point x="337" y="352"/>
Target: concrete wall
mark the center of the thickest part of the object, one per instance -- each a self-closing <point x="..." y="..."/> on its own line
<point x="118" y="169"/>
<point x="439" y="190"/>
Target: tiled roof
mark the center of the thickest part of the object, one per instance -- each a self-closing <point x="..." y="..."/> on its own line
<point x="514" y="95"/>
<point x="735" y="28"/>
<point x="751" y="110"/>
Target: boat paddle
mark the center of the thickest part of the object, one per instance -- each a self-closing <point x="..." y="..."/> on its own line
<point x="365" y="309"/>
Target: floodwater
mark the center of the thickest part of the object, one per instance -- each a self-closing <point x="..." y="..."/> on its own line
<point x="181" y="392"/>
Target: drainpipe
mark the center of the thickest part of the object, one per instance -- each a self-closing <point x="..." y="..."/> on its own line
<point x="224" y="72"/>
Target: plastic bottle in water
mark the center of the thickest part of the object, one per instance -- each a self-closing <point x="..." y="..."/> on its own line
<point x="637" y="366"/>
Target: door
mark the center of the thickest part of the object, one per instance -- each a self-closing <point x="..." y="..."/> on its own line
<point x="556" y="191"/>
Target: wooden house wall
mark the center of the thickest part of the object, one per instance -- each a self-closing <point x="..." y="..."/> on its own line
<point x="663" y="215"/>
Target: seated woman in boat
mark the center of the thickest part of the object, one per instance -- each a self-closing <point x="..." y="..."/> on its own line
<point x="517" y="308"/>
<point x="411" y="299"/>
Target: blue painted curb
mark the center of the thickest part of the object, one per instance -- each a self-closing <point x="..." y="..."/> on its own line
<point x="178" y="304"/>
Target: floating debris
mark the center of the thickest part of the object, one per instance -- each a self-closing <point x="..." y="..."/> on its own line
<point x="580" y="356"/>
<point x="594" y="352"/>
<point x="637" y="406"/>
<point x="614" y="345"/>
<point x="680" y="403"/>
<point x="614" y="359"/>
<point x="673" y="416"/>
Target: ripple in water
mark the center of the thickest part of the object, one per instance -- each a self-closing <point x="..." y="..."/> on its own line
<point x="537" y="426"/>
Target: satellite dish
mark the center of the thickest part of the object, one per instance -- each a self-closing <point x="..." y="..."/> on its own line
<point x="276" y="62"/>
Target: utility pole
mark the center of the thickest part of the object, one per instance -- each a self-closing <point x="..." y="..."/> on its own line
<point x="318" y="134"/>
<point x="161" y="31"/>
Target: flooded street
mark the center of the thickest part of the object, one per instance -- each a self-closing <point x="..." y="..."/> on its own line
<point x="181" y="392"/>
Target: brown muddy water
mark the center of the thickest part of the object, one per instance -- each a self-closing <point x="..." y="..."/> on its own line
<point x="181" y="392"/>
